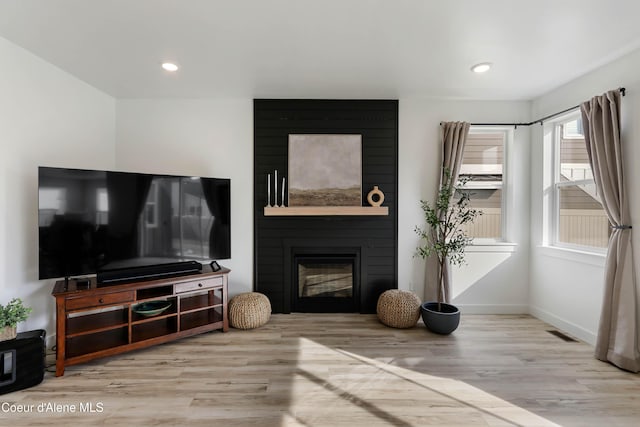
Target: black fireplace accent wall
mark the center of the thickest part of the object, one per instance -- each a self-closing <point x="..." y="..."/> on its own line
<point x="374" y="238"/>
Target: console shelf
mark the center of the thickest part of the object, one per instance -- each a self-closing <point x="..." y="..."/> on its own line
<point x="93" y="322"/>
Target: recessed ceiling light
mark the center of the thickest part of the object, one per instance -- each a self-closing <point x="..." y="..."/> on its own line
<point x="169" y="66"/>
<point x="483" y="67"/>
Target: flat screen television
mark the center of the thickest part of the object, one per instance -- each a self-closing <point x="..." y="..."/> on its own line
<point x="91" y="220"/>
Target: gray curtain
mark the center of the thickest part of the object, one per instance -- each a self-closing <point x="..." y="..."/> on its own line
<point x="617" y="340"/>
<point x="453" y="137"/>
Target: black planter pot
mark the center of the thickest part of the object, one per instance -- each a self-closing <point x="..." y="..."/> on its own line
<point x="443" y="321"/>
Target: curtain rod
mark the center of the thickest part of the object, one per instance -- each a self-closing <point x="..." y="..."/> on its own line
<point x="622" y="92"/>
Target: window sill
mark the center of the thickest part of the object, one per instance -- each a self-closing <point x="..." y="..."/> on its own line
<point x="575" y="255"/>
<point x="492" y="246"/>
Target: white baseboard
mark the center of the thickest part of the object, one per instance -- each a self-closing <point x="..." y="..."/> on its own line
<point x="571" y="328"/>
<point x="493" y="308"/>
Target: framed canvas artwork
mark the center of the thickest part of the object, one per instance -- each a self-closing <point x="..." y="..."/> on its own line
<point x="325" y="170"/>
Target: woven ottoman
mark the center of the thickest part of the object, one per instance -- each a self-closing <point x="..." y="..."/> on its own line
<point x="398" y="308"/>
<point x="249" y="310"/>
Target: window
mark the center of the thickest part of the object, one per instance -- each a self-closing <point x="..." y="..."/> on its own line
<point x="578" y="218"/>
<point x="483" y="165"/>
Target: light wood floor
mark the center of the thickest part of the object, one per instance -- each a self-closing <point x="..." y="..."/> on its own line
<point x="346" y="370"/>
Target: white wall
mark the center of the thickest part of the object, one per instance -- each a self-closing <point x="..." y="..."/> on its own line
<point x="566" y="288"/>
<point x="51" y="118"/>
<point x="47" y="118"/>
<point x="495" y="279"/>
<point x="201" y="137"/>
<point x="215" y="138"/>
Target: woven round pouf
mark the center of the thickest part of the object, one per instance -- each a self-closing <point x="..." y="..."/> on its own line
<point x="398" y="308"/>
<point x="249" y="310"/>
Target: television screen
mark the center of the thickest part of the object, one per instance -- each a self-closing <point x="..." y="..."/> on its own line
<point x="92" y="220"/>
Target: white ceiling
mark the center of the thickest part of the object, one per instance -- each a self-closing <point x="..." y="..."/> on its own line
<point x="324" y="48"/>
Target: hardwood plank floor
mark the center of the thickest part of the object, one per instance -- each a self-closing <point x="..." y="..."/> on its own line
<point x="344" y="370"/>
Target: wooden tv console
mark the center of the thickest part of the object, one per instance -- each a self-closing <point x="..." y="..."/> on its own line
<point x="93" y="322"/>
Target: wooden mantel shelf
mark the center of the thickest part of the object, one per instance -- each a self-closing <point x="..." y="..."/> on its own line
<point x="327" y="211"/>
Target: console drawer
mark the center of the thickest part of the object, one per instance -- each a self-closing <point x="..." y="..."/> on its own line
<point x="200" y="284"/>
<point x="100" y="300"/>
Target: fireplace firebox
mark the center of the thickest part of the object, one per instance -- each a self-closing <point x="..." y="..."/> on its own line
<point x="326" y="282"/>
<point x="318" y="278"/>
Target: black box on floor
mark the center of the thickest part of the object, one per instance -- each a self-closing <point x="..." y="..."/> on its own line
<point x="22" y="361"/>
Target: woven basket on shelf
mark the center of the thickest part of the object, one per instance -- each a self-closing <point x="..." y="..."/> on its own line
<point x="249" y="310"/>
<point x="398" y="308"/>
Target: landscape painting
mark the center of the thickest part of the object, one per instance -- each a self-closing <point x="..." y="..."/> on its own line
<point x="325" y="170"/>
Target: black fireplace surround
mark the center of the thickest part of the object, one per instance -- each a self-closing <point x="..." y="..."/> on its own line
<point x="369" y="242"/>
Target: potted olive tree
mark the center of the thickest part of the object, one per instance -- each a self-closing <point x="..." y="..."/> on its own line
<point x="10" y="315"/>
<point x="445" y="238"/>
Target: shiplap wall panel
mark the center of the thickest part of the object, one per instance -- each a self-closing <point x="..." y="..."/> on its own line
<point x="377" y="122"/>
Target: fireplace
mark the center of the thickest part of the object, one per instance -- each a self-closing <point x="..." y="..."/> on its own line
<point x="324" y="279"/>
<point x="372" y="240"/>
<point x="326" y="283"/>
